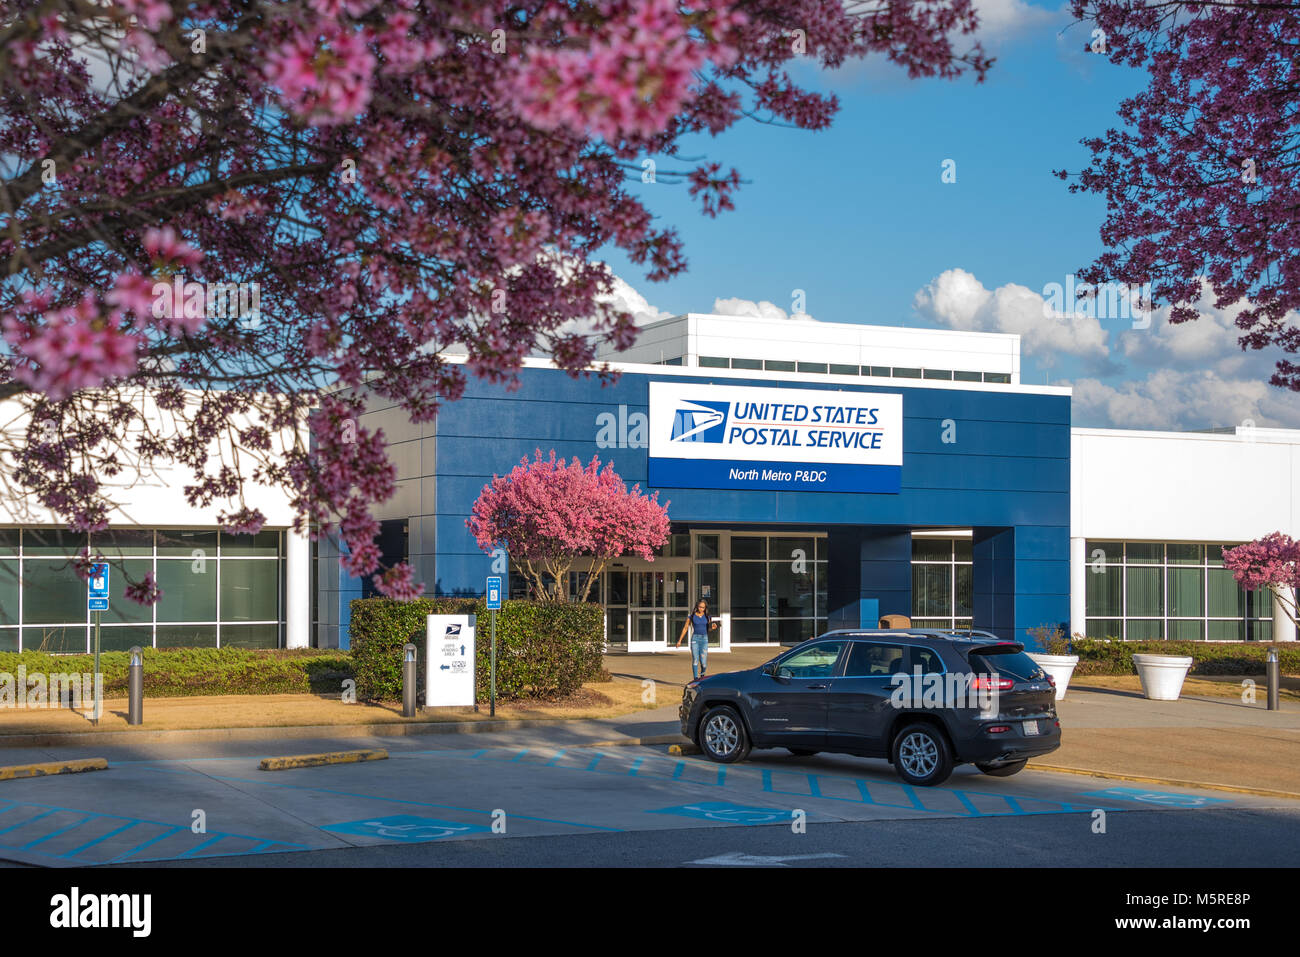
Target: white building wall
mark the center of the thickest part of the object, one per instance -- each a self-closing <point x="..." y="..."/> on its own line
<point x="1180" y="487"/>
<point x="803" y="340"/>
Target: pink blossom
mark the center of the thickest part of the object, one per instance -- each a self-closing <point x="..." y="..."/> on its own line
<point x="75" y="348"/>
<point x="325" y="75"/>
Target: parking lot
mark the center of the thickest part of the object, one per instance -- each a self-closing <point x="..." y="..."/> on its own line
<point x="216" y="806"/>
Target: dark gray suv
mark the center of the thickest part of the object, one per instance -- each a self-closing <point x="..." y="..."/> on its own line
<point x="925" y="702"/>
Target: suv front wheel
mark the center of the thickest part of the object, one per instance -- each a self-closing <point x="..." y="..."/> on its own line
<point x="922" y="755"/>
<point x="722" y="735"/>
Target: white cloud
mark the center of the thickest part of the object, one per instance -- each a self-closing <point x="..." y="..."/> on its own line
<point x="1184" y="399"/>
<point x="957" y="300"/>
<point x="1002" y="21"/>
<point x="758" y="310"/>
<point x="1208" y="342"/>
<point x="629" y="300"/>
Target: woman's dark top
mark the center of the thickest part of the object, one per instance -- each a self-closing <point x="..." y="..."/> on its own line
<point x="700" y="624"/>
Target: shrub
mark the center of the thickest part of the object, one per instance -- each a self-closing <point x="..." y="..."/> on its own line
<point x="544" y="649"/>
<point x="1114" y="657"/>
<point x="182" y="672"/>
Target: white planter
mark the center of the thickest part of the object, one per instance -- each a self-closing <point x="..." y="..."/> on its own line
<point x="1162" y="675"/>
<point x="1060" y="667"/>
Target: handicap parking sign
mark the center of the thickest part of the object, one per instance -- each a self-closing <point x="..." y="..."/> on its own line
<point x="727" y="813"/>
<point x="1161" y="798"/>
<point x="406" y="827"/>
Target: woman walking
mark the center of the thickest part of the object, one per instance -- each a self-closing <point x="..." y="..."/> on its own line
<point x="698" y="625"/>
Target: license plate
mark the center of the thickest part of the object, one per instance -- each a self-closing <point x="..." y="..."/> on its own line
<point x="1031" y="727"/>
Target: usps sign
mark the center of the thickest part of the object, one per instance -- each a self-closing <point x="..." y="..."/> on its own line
<point x="449" y="657"/>
<point x="808" y="440"/>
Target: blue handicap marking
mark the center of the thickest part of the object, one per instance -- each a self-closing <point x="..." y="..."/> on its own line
<point x="726" y="812"/>
<point x="406" y="827"/>
<point x="1163" y="798"/>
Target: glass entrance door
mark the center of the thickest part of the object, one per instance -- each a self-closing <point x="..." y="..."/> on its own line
<point x="658" y="603"/>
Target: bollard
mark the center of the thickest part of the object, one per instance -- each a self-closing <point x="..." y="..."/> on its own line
<point x="408" y="681"/>
<point x="135" y="688"/>
<point x="1271" y="670"/>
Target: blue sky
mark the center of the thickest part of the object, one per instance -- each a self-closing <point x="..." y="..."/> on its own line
<point x="860" y="219"/>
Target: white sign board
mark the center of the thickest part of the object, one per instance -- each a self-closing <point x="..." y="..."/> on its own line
<point x="449" y="657"/>
<point x="737" y="437"/>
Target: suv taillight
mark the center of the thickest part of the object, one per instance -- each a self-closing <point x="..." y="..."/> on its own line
<point x="990" y="684"/>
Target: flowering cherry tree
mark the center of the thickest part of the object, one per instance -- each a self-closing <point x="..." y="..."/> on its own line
<point x="391" y="178"/>
<point x="1200" y="185"/>
<point x="1272" y="563"/>
<point x="552" y="518"/>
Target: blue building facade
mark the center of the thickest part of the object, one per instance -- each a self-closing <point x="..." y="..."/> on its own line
<point x="990" y="465"/>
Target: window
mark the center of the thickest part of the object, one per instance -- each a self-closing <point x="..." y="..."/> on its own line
<point x="217" y="589"/>
<point x="746" y="363"/>
<point x="843" y="370"/>
<point x="1174" y="590"/>
<point x="778" y="365"/>
<point x="778" y="587"/>
<point x="939" y="374"/>
<point x="815" y="662"/>
<point x="869" y="660"/>
<point x="943" y="579"/>
<point x="815" y="367"/>
<point x="1002" y="378"/>
<point x="881" y="371"/>
<point x="714" y="362"/>
<point x="906" y="373"/>
<point x="961" y="376"/>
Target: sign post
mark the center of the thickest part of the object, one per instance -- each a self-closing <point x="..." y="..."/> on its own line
<point x="494" y="603"/>
<point x="97" y="601"/>
<point x="449" y="661"/>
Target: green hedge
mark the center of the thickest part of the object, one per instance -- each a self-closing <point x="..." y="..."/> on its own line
<point x="201" y="671"/>
<point x="1101" y="657"/>
<point x="544" y="649"/>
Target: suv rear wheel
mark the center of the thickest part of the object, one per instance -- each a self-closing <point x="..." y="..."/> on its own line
<point x="922" y="755"/>
<point x="722" y="735"/>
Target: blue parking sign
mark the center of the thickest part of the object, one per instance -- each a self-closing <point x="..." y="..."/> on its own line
<point x="494" y="593"/>
<point x="97" y="587"/>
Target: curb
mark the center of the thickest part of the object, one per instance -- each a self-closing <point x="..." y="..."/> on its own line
<point x="317" y="760"/>
<point x="395" y="729"/>
<point x="1141" y="779"/>
<point x="17" y="771"/>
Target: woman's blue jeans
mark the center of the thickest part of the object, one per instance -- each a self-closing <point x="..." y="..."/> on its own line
<point x="699" y="654"/>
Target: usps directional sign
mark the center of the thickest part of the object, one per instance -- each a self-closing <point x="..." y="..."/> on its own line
<point x="97" y="587"/>
<point x="449" y="657"/>
<point x="808" y="440"/>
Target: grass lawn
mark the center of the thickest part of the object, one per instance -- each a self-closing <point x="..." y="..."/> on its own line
<point x="595" y="700"/>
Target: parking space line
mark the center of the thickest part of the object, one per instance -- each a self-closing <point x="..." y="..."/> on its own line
<point x="89" y="844"/>
<point x="140" y="847"/>
<point x="558" y="755"/>
<point x="375" y="797"/>
<point x="53" y="834"/>
<point x="14" y="827"/>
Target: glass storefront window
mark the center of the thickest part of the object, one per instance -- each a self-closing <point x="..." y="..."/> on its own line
<point x="9" y="592"/>
<point x="52" y="592"/>
<point x="748" y="547"/>
<point x="748" y="589"/>
<point x="707" y="546"/>
<point x="249" y="591"/>
<point x="1145" y="590"/>
<point x="1175" y="590"/>
<point x="189" y="590"/>
<point x="1104" y="592"/>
